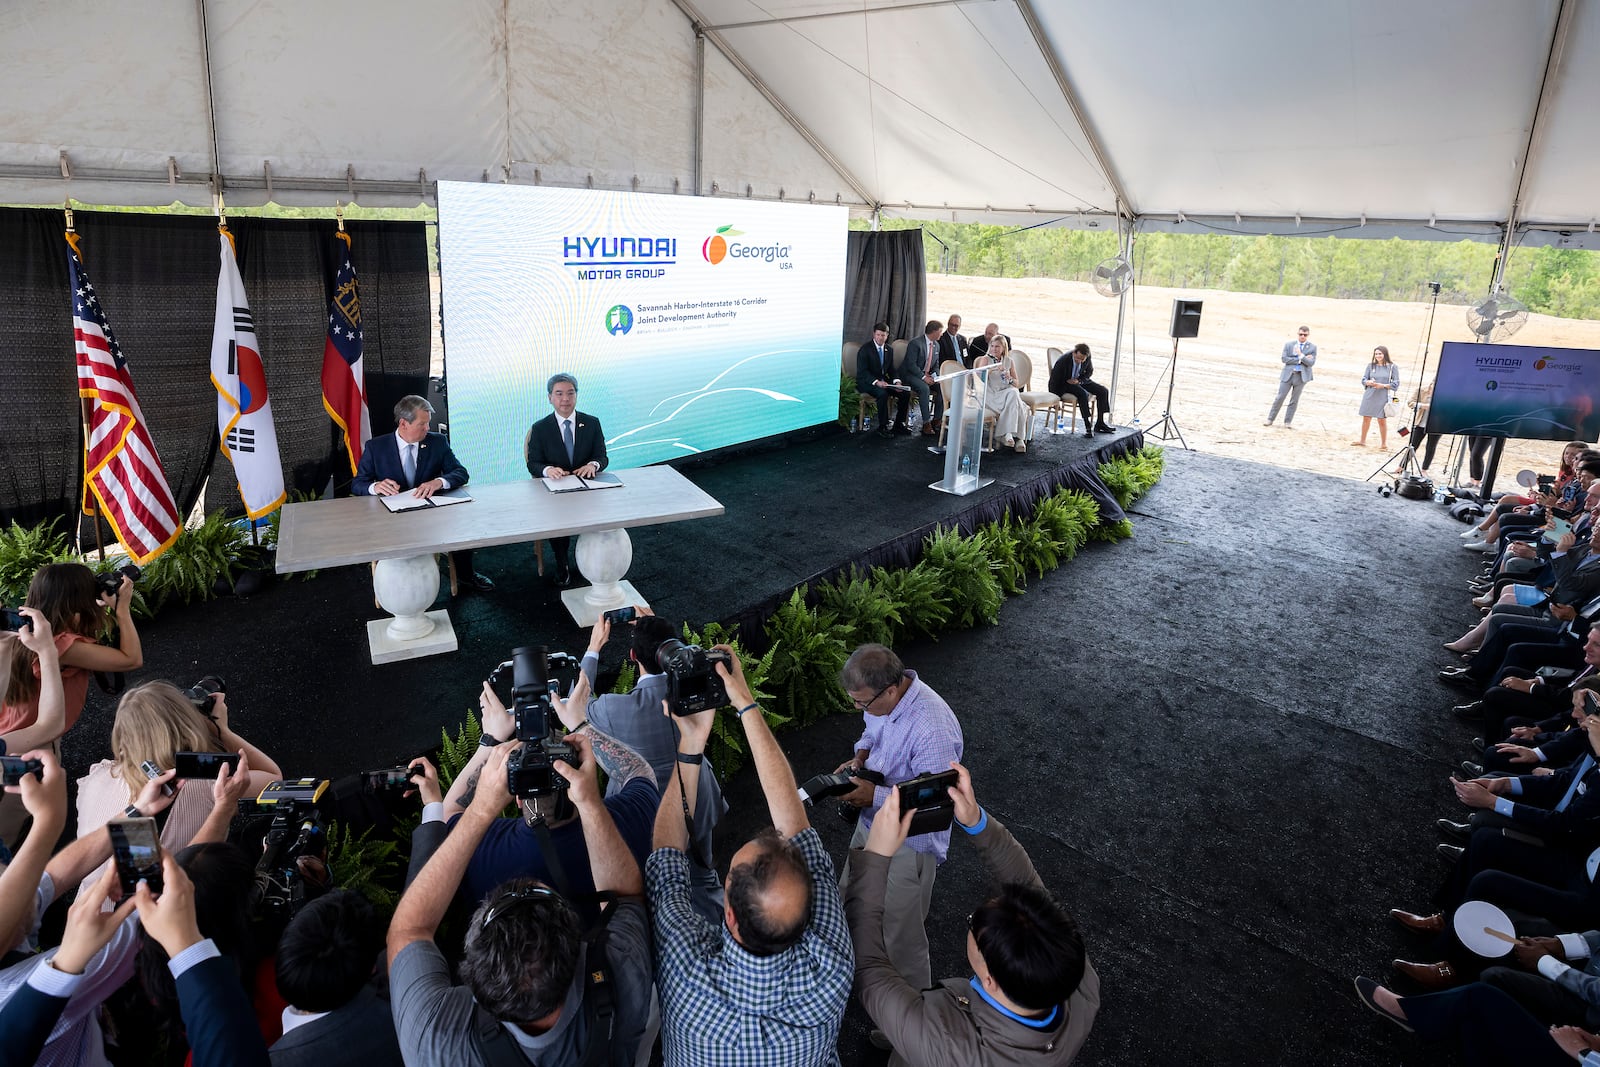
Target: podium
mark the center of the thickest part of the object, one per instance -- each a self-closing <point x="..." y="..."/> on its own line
<point x="963" y="450"/>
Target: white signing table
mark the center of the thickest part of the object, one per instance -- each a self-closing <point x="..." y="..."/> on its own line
<point x="336" y="533"/>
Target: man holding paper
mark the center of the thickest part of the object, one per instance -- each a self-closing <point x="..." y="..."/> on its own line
<point x="419" y="462"/>
<point x="567" y="441"/>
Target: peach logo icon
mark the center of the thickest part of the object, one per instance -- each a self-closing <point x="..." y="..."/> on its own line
<point x="716" y="247"/>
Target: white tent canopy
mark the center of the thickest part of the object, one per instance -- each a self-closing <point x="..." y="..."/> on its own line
<point x="1371" y="116"/>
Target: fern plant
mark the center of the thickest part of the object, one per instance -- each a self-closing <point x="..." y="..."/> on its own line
<point x="849" y="399"/>
<point x="924" y="602"/>
<point x="191" y="568"/>
<point x="1130" y="476"/>
<point x="1112" y="531"/>
<point x="454" y="752"/>
<point x="999" y="543"/>
<point x="963" y="569"/>
<point x="1067" y="517"/>
<point x="23" y="550"/>
<point x="1036" y="549"/>
<point x="627" y="677"/>
<point x="863" y="607"/>
<point x="807" y="649"/>
<point x="365" y="864"/>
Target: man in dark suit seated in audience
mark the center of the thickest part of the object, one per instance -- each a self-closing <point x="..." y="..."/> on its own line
<point x="324" y="970"/>
<point x="414" y="460"/>
<point x="875" y="378"/>
<point x="1073" y="376"/>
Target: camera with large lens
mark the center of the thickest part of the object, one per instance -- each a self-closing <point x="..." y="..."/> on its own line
<point x="200" y="694"/>
<point x="108" y="583"/>
<point x="693" y="684"/>
<point x="530" y="770"/>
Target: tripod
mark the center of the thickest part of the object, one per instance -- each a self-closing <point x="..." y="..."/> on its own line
<point x="1407" y="456"/>
<point x="1166" y="423"/>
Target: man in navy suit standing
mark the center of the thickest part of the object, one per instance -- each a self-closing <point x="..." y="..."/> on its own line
<point x="567" y="441"/>
<point x="412" y="459"/>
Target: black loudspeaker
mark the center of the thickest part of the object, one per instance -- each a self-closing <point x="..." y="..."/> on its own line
<point x="1185" y="318"/>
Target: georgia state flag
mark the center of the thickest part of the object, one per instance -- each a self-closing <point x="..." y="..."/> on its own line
<point x="244" y="414"/>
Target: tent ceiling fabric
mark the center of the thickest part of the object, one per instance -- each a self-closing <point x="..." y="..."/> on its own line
<point x="1397" y="110"/>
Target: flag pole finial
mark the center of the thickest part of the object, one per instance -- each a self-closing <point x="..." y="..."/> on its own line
<point x="338" y="214"/>
<point x="66" y="205"/>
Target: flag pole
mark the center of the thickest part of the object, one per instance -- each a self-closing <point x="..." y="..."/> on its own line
<point x="86" y="414"/>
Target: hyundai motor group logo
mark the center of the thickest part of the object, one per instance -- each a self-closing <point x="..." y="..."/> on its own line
<point x="619" y="320"/>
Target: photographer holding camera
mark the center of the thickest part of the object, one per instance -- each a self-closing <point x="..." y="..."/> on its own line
<point x="555" y="840"/>
<point x="767" y="984"/>
<point x="909" y="731"/>
<point x="530" y="967"/>
<point x="155" y="721"/>
<point x="1033" y="994"/>
<point x="635" y="719"/>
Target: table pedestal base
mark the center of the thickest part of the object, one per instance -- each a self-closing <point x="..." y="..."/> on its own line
<point x="586" y="613"/>
<point x="385" y="649"/>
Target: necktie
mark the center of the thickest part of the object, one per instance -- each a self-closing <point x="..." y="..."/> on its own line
<point x="1583" y="769"/>
<point x="566" y="437"/>
<point x="408" y="463"/>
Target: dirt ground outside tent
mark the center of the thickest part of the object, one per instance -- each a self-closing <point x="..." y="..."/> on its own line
<point x="1228" y="376"/>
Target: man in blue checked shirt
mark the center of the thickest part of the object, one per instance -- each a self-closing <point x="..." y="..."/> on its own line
<point x="910" y="731"/>
<point x="768" y="984"/>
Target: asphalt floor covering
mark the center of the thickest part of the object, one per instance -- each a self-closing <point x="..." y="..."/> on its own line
<point x="1220" y="741"/>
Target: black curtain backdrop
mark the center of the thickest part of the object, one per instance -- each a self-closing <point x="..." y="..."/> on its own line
<point x="156" y="276"/>
<point x="884" y="281"/>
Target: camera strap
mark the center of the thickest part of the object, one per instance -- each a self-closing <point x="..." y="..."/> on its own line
<point x="552" y="859"/>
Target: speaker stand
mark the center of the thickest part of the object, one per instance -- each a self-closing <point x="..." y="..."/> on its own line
<point x="1166" y="423"/>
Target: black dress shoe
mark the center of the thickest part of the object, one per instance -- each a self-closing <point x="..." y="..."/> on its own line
<point x="1101" y="427"/>
<point x="1450" y="853"/>
<point x="1455" y="831"/>
<point x="902" y="430"/>
<point x="478" y="583"/>
<point x="563" y="576"/>
<point x="1479" y="744"/>
<point x="1472" y="712"/>
<point x="1472" y="770"/>
<point x="1459" y="677"/>
<point x="1088" y="432"/>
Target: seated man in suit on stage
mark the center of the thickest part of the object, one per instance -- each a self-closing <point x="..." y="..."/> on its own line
<point x="566" y="441"/>
<point x="875" y="378"/>
<point x="1072" y="376"/>
<point x="952" y="345"/>
<point x="979" y="346"/>
<point x="414" y="460"/>
<point x="918" y="368"/>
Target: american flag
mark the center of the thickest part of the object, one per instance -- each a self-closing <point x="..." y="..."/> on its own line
<point x="121" y="467"/>
<point x="344" y="390"/>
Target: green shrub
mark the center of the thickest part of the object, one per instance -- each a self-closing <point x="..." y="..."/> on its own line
<point x="849" y="399"/>
<point x="963" y="569"/>
<point x="807" y="651"/>
<point x="189" y="569"/>
<point x="1066" y="517"/>
<point x="455" y="752"/>
<point x="1112" y="531"/>
<point x="23" y="550"/>
<point x="862" y="606"/>
<point x="999" y="541"/>
<point x="1130" y="476"/>
<point x="924" y="601"/>
<point x="364" y="863"/>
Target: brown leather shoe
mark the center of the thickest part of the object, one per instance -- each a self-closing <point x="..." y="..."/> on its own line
<point x="1429" y="975"/>
<point x="1422" y="924"/>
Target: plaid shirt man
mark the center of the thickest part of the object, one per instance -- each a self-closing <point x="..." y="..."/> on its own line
<point x="722" y="1005"/>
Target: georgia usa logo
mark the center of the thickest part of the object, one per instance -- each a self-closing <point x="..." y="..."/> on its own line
<point x="718" y="247"/>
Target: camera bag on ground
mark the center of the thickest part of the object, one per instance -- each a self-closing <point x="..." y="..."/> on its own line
<point x="598" y="1003"/>
<point x="1414" y="488"/>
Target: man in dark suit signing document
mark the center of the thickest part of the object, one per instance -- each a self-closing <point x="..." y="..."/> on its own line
<point x="412" y="460"/>
<point x="566" y="441"/>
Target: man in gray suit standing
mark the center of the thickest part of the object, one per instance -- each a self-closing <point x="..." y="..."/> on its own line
<point x="1298" y="359"/>
<point x="918" y="368"/>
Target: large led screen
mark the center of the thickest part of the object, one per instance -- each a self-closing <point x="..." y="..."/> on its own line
<point x="690" y="322"/>
<point x="1542" y="394"/>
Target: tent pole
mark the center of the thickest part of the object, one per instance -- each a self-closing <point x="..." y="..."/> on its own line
<point x="1126" y="251"/>
<point x="211" y="110"/>
<point x="699" y="109"/>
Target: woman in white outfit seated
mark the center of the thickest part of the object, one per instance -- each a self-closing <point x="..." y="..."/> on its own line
<point x="1001" y="396"/>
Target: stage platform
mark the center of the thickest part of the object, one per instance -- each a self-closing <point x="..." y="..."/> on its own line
<point x="295" y="658"/>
